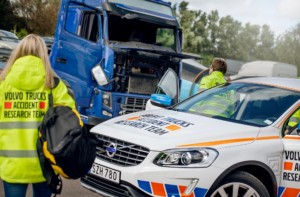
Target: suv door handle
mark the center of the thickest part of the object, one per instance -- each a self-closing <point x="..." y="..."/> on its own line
<point x="61" y="60"/>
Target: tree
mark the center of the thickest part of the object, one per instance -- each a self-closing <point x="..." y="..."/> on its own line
<point x="9" y="19"/>
<point x="40" y="15"/>
<point x="227" y="45"/>
<point x="288" y="47"/>
<point x="6" y="13"/>
<point x="248" y="41"/>
<point x="186" y="18"/>
<point x="213" y="28"/>
<point x="266" y="44"/>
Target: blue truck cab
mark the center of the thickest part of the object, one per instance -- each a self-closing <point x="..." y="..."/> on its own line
<point x="112" y="53"/>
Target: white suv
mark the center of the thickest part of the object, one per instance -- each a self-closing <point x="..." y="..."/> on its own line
<point x="183" y="152"/>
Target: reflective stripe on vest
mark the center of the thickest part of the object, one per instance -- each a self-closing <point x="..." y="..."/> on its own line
<point x="18" y="153"/>
<point x="295" y="119"/>
<point x="219" y="105"/>
<point x="19" y="125"/>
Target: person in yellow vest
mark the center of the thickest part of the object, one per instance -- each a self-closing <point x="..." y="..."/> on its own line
<point x="293" y="121"/>
<point x="217" y="70"/>
<point x="221" y="105"/>
<point x="25" y="84"/>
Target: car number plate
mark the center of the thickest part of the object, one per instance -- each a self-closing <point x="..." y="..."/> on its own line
<point x="106" y="173"/>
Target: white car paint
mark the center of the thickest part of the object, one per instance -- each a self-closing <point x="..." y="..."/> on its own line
<point x="238" y="146"/>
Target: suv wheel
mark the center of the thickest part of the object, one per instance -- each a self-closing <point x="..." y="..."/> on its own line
<point x="241" y="184"/>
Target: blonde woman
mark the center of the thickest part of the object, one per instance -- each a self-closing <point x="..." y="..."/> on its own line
<point x="25" y="84"/>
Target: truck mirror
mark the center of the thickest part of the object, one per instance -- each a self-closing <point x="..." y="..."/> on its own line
<point x="160" y="100"/>
<point x="298" y="129"/>
<point x="99" y="75"/>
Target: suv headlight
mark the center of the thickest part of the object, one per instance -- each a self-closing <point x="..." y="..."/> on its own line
<point x="186" y="158"/>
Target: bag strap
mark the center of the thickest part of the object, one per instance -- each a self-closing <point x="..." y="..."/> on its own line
<point x="53" y="180"/>
<point x="50" y="99"/>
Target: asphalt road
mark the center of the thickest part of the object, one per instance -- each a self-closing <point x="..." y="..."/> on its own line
<point x="71" y="188"/>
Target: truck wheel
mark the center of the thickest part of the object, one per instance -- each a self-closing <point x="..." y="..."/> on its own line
<point x="240" y="184"/>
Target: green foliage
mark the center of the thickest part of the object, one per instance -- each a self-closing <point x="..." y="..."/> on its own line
<point x="9" y="17"/>
<point x="207" y="60"/>
<point x="210" y="35"/>
<point x="206" y="34"/>
<point x="22" y="33"/>
<point x="287" y="48"/>
<point x="29" y="16"/>
<point x="165" y="37"/>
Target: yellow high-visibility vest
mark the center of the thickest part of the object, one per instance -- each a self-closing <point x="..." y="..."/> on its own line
<point x="295" y="119"/>
<point x="23" y="103"/>
<point x="213" y="79"/>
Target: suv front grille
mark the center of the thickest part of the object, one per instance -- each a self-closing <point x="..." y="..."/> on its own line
<point x="133" y="105"/>
<point x="120" y="152"/>
<point x="106" y="186"/>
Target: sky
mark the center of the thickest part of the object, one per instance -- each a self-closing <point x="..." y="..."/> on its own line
<point x="280" y="15"/>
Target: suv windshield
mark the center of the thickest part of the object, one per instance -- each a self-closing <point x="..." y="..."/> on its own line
<point x="246" y="103"/>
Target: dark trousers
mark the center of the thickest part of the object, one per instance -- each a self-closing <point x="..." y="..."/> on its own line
<point x="19" y="189"/>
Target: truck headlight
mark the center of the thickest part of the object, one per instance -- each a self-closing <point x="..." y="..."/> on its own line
<point x="190" y="157"/>
<point x="106" y="99"/>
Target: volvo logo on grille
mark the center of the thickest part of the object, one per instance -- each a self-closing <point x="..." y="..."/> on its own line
<point x="111" y="150"/>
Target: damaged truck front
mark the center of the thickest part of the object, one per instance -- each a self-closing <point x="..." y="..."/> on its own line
<point x="112" y="53"/>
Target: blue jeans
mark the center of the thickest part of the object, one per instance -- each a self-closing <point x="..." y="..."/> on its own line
<point x="19" y="189"/>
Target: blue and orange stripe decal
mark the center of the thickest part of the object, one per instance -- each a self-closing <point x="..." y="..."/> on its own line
<point x="288" y="192"/>
<point x="229" y="141"/>
<point x="169" y="190"/>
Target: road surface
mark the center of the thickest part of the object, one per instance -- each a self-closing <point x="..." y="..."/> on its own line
<point x="70" y="188"/>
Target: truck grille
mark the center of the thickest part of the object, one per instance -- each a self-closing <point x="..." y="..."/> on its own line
<point x="133" y="105"/>
<point x="126" y="154"/>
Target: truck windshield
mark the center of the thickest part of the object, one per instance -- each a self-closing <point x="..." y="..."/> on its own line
<point x="134" y="30"/>
<point x="145" y="5"/>
<point x="246" y="103"/>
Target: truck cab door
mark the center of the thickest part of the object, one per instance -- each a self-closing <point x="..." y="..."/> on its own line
<point x="77" y="49"/>
<point x="290" y="170"/>
<point x="167" y="92"/>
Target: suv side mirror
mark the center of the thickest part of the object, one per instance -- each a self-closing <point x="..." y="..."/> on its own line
<point x="161" y="100"/>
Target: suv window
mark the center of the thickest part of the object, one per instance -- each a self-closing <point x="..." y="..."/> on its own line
<point x="245" y="103"/>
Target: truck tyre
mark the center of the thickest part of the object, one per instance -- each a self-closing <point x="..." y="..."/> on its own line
<point x="240" y="184"/>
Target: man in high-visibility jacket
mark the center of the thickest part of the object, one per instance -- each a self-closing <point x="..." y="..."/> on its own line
<point x="219" y="104"/>
<point x="217" y="70"/>
<point x="25" y="84"/>
<point x="295" y="119"/>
